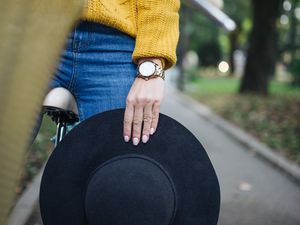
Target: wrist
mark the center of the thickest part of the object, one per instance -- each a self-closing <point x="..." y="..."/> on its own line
<point x="149" y="68"/>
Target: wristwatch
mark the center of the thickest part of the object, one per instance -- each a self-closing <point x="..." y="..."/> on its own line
<point x="148" y="70"/>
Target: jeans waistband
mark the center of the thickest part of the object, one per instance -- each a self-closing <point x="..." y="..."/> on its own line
<point x="85" y="25"/>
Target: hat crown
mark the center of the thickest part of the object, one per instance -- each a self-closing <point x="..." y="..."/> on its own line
<point x="132" y="190"/>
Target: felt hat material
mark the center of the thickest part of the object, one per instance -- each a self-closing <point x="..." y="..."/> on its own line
<point x="93" y="177"/>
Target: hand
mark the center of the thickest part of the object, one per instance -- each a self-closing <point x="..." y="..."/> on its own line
<point x="142" y="107"/>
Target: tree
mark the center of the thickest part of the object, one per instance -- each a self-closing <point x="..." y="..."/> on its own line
<point x="289" y="36"/>
<point x="184" y="42"/>
<point x="263" y="50"/>
<point x="289" y="42"/>
<point x="239" y="11"/>
<point x="204" y="37"/>
<point x="197" y="33"/>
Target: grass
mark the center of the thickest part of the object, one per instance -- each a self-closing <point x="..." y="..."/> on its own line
<point x="275" y="120"/>
<point x="228" y="85"/>
<point x="37" y="154"/>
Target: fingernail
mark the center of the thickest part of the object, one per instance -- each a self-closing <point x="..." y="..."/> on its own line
<point x="152" y="131"/>
<point x="126" y="138"/>
<point x="135" y="141"/>
<point x="145" y="138"/>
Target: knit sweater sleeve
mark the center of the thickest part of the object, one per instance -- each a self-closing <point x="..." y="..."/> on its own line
<point x="157" y="30"/>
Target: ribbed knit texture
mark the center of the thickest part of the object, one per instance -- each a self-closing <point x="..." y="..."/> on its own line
<point x="154" y="24"/>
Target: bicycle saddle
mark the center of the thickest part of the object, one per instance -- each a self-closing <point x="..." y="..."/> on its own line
<point x="61" y="98"/>
<point x="61" y="106"/>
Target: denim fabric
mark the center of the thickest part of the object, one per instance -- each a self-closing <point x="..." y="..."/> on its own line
<point x="96" y="66"/>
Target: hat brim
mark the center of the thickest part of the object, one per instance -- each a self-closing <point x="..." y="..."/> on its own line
<point x="99" y="139"/>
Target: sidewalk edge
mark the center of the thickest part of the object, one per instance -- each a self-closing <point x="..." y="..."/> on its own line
<point x="269" y="155"/>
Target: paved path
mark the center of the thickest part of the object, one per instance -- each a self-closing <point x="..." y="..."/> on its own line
<point x="253" y="192"/>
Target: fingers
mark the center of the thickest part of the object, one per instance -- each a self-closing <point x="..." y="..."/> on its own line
<point x="137" y="124"/>
<point x="133" y="120"/>
<point x="142" y="110"/>
<point x="140" y="119"/>
<point x="127" y="124"/>
<point x="155" y="117"/>
<point x="147" y="118"/>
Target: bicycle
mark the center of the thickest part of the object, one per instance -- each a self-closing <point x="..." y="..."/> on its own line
<point x="60" y="105"/>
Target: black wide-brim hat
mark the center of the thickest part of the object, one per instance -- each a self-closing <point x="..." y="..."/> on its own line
<point x="94" y="177"/>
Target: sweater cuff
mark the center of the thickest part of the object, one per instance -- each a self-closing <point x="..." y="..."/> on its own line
<point x="158" y="31"/>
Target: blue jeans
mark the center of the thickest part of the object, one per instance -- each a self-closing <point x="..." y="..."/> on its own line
<point x="96" y="67"/>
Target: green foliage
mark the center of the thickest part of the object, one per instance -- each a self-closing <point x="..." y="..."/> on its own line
<point x="224" y="43"/>
<point x="207" y="39"/>
<point x="203" y="38"/>
<point x="294" y="68"/>
<point x="216" y="85"/>
<point x="246" y="28"/>
<point x="289" y="35"/>
<point x="38" y="153"/>
<point x="192" y="74"/>
<point x="238" y="10"/>
<point x="229" y="85"/>
<point x="209" y="53"/>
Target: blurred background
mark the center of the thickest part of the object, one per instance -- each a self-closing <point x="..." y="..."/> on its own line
<point x="251" y="75"/>
<point x="240" y="59"/>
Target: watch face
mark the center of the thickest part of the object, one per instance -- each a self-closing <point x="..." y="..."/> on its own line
<point x="147" y="68"/>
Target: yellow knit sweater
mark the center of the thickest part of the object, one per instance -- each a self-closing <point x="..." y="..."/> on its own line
<point x="154" y="24"/>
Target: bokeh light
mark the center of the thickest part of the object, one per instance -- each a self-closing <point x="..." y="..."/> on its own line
<point x="297" y="13"/>
<point x="223" y="67"/>
<point x="284" y="20"/>
<point x="287" y="5"/>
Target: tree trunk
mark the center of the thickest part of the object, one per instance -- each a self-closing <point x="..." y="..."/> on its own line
<point x="262" y="52"/>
